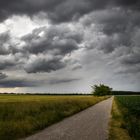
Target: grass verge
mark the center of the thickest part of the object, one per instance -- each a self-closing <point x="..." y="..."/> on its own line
<point x="22" y="115"/>
<point x="117" y="132"/>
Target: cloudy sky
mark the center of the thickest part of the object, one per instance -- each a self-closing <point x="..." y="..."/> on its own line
<point x="69" y="45"/>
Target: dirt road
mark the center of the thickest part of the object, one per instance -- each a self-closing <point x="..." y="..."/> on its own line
<point x="90" y="124"/>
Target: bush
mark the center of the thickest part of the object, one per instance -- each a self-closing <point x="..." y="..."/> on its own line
<point x="101" y="90"/>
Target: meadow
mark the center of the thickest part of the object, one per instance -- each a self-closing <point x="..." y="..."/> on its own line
<point x="125" y="122"/>
<point x="23" y="115"/>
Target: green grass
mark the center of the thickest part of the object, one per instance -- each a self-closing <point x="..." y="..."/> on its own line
<point x="125" y="122"/>
<point x="22" y="115"/>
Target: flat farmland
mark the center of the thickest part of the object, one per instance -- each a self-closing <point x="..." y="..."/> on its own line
<point x="22" y="115"/>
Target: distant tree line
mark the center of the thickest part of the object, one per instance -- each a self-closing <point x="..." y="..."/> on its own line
<point x="49" y="94"/>
<point x="97" y="90"/>
<point x="125" y="93"/>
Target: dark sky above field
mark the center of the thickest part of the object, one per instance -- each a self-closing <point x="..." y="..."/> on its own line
<point x="69" y="45"/>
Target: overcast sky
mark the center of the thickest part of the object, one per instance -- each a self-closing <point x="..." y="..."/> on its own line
<point x="69" y="45"/>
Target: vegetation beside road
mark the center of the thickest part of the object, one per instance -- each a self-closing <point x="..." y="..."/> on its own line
<point x="22" y="115"/>
<point x="101" y="90"/>
<point x="125" y="122"/>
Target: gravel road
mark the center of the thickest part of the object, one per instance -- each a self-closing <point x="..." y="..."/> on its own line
<point x="90" y="124"/>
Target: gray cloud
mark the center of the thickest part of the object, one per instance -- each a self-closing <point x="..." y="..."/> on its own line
<point x="4" y="46"/>
<point x="61" y="81"/>
<point x="73" y="9"/>
<point x="131" y="59"/>
<point x="57" y="38"/>
<point x="76" y="67"/>
<point x="56" y="41"/>
<point x="9" y="61"/>
<point x="129" y="70"/>
<point x="118" y="28"/>
<point x="130" y="3"/>
<point x="109" y="30"/>
<point x="4" y="37"/>
<point x="114" y="20"/>
<point x="44" y="64"/>
<point x="17" y="83"/>
<point x="52" y="7"/>
<point x="116" y="34"/>
<point x="3" y="76"/>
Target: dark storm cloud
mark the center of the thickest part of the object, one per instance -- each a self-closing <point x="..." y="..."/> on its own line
<point x="131" y="59"/>
<point x="131" y="3"/>
<point x="43" y="64"/>
<point x="120" y="21"/>
<point x="130" y="70"/>
<point x="52" y="48"/>
<point x="55" y="41"/>
<point x="4" y="37"/>
<point x="58" y="38"/>
<point x="53" y="8"/>
<point x="59" y="10"/>
<point x="29" y="7"/>
<point x="9" y="61"/>
<point x="6" y="64"/>
<point x="17" y="83"/>
<point x="65" y="80"/>
<point x="4" y="46"/>
<point x="3" y="76"/>
<point x="107" y="44"/>
<point x="118" y="27"/>
<point x="116" y="20"/>
<point x="75" y="9"/>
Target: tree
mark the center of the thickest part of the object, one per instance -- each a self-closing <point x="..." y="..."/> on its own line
<point x="101" y="90"/>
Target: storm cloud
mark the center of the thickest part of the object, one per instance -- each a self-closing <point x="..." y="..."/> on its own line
<point x="61" y="81"/>
<point x="4" y="39"/>
<point x="83" y="38"/>
<point x="2" y="75"/>
<point x="44" y="64"/>
<point x="58" y="38"/>
<point x="17" y="83"/>
<point x="53" y="8"/>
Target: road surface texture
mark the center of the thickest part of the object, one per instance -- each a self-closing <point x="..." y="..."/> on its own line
<point x="90" y="124"/>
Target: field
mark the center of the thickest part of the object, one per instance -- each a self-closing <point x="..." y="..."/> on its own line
<point x="22" y="115"/>
<point x="125" y="122"/>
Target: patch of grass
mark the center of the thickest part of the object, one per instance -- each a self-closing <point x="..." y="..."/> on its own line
<point x="125" y="122"/>
<point x="22" y="115"/>
<point x="117" y="132"/>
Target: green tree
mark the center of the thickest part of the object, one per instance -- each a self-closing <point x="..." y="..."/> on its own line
<point x="101" y="90"/>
